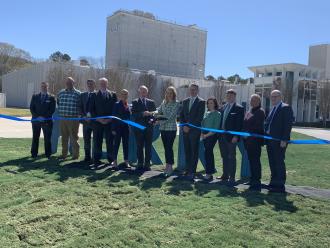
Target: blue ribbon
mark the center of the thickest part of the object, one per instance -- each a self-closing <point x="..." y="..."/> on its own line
<point x="134" y="124"/>
<point x="128" y="122"/>
<point x="246" y="134"/>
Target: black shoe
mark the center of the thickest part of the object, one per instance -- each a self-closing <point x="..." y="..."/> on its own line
<point x="255" y="187"/>
<point x="87" y="159"/>
<point x="207" y="178"/>
<point x="277" y="189"/>
<point x="97" y="162"/>
<point x="232" y="180"/>
<point x="190" y="178"/>
<point x="139" y="167"/>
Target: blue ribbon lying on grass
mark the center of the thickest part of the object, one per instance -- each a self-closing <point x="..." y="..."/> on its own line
<point x="245" y="134"/>
<point x="128" y="122"/>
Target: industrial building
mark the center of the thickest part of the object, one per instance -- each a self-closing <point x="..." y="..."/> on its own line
<point x="137" y="40"/>
<point x="319" y="57"/>
<point x="20" y="85"/>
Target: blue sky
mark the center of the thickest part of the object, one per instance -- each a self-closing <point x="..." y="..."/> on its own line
<point x="240" y="32"/>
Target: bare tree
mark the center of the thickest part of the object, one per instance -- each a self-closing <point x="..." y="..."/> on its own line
<point x="164" y="85"/>
<point x="150" y="81"/>
<point x="58" y="72"/>
<point x="324" y="100"/>
<point x="96" y="62"/>
<point x="12" y="58"/>
<point x="285" y="87"/>
<point x="116" y="81"/>
<point x="219" y="90"/>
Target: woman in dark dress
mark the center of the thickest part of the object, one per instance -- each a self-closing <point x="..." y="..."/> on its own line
<point x="119" y="129"/>
<point x="254" y="123"/>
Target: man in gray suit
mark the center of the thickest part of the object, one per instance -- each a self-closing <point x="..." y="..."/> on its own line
<point x="193" y="109"/>
<point x="232" y="117"/>
<point x="85" y="101"/>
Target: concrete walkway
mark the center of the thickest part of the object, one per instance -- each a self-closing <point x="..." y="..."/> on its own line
<point x="318" y="133"/>
<point x="16" y="129"/>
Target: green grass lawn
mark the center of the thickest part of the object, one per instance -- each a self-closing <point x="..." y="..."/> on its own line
<point x="49" y="204"/>
<point x="15" y="111"/>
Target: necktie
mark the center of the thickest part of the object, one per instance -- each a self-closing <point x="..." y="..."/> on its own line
<point x="144" y="103"/>
<point x="87" y="103"/>
<point x="270" y="119"/>
<point x="225" y="115"/>
<point x="43" y="97"/>
<point x="191" y="102"/>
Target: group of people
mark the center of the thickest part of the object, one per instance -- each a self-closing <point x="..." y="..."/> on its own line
<point x="195" y="111"/>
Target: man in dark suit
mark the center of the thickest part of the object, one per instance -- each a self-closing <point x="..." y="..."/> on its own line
<point x="86" y="99"/>
<point x="142" y="112"/>
<point x="278" y="125"/>
<point x="42" y="106"/>
<point x="192" y="112"/>
<point x="102" y="105"/>
<point x="232" y="116"/>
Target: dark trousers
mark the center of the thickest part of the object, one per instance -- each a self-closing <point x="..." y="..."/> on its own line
<point x="254" y="152"/>
<point x="103" y="131"/>
<point x="209" y="144"/>
<point x="87" y="133"/>
<point x="276" y="156"/>
<point x="168" y="138"/>
<point x="228" y="154"/>
<point x="47" y="128"/>
<point x="122" y="134"/>
<point x="191" y="148"/>
<point x="144" y="141"/>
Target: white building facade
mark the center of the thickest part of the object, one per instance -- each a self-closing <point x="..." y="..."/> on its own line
<point x="298" y="84"/>
<point x="137" y="40"/>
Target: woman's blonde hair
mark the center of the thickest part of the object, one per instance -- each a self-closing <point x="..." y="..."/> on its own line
<point x="170" y="88"/>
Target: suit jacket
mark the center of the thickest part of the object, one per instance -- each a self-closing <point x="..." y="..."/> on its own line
<point x="85" y="103"/>
<point x="102" y="106"/>
<point x="281" y="124"/>
<point x="196" y="113"/>
<point x="234" y="120"/>
<point x="44" y="108"/>
<point x="138" y="108"/>
<point x="254" y="124"/>
<point x="122" y="112"/>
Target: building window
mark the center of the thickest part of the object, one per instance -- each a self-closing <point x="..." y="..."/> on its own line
<point x="269" y="74"/>
<point x="317" y="112"/>
<point x="279" y="73"/>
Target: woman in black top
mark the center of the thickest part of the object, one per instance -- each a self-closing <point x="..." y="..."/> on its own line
<point x="119" y="129"/>
<point x="254" y="123"/>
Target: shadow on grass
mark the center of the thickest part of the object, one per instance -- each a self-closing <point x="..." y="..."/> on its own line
<point x="63" y="169"/>
<point x="279" y="201"/>
<point x="146" y="181"/>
